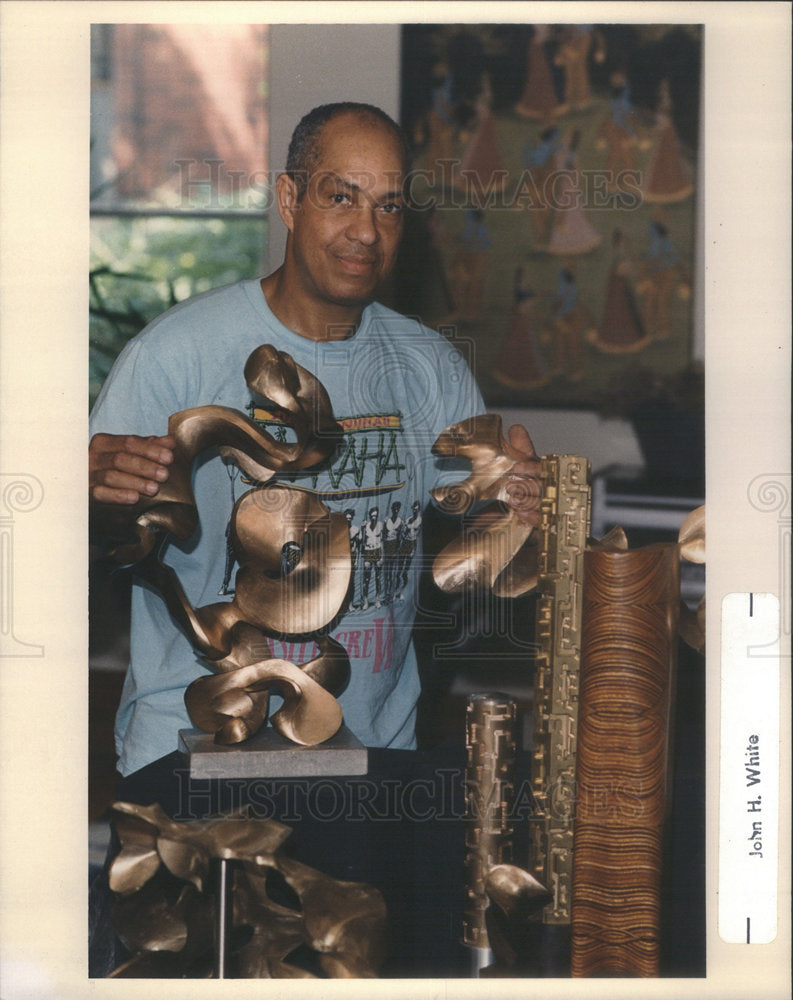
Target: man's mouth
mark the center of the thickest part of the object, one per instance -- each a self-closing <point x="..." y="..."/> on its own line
<point x="356" y="264"/>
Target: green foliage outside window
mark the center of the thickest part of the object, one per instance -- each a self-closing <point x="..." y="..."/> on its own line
<point x="140" y="266"/>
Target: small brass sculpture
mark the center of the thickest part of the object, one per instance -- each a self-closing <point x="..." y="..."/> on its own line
<point x="342" y="925"/>
<point x="516" y="900"/>
<point x="494" y="550"/>
<point x="294" y="557"/>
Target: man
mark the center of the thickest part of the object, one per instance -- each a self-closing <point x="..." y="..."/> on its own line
<point x="392" y="536"/>
<point x="407" y="548"/>
<point x="393" y="384"/>
<point x="372" y="541"/>
<point x="355" y="549"/>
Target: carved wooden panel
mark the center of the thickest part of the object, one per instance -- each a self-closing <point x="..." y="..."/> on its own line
<point x="628" y="658"/>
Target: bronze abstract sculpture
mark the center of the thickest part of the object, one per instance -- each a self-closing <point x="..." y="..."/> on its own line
<point x="495" y="550"/>
<point x="169" y="930"/>
<point x="691" y="543"/>
<point x="292" y="391"/>
<point x="272" y="525"/>
<point x="516" y="900"/>
<point x="587" y="871"/>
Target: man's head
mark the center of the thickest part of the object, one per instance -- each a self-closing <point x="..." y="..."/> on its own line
<point x="341" y="198"/>
<point x="305" y="153"/>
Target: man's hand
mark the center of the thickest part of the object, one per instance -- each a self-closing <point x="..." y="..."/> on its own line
<point x="524" y="489"/>
<point x="123" y="468"/>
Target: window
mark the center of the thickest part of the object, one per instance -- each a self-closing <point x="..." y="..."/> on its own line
<point x="179" y="181"/>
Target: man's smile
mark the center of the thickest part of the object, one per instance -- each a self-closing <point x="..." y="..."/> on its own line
<point x="356" y="263"/>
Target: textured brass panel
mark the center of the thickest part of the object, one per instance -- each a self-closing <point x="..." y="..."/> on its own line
<point x="490" y="731"/>
<point x="563" y="534"/>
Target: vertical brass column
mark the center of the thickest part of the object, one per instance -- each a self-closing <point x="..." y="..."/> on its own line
<point x="490" y="734"/>
<point x="563" y="534"/>
<point x="628" y="660"/>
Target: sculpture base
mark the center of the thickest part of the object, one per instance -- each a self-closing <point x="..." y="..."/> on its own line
<point x="268" y="754"/>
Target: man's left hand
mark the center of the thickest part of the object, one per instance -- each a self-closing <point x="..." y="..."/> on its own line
<point x="524" y="489"/>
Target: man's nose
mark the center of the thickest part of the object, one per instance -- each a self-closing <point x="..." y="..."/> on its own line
<point x="363" y="226"/>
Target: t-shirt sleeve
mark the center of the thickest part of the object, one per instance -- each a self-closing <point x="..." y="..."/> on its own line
<point x="138" y="395"/>
<point x="460" y="399"/>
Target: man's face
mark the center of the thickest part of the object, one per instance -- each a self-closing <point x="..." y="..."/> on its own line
<point x="346" y="228"/>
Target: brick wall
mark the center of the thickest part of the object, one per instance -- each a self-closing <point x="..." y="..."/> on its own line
<point x="188" y="93"/>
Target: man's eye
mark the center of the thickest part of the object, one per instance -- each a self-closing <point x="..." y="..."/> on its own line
<point x="340" y="198"/>
<point x="391" y="207"/>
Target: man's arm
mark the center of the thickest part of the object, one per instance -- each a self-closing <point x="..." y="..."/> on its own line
<point x="123" y="468"/>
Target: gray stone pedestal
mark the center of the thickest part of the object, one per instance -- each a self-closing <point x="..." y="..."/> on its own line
<point x="270" y="755"/>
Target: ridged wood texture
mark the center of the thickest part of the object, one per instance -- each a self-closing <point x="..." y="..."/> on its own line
<point x="628" y="661"/>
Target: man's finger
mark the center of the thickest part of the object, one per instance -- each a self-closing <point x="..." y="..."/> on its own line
<point x="519" y="438"/>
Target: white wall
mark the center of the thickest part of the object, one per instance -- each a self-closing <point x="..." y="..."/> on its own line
<point x="313" y="64"/>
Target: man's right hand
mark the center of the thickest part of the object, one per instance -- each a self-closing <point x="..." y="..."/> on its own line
<point x="123" y="468"/>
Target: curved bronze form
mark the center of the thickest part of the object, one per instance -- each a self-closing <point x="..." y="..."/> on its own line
<point x="290" y="390"/>
<point x="275" y="524"/>
<point x="234" y="705"/>
<point x="494" y="549"/>
<point x="516" y="901"/>
<point x="294" y="557"/>
<point x="691" y="537"/>
<point x="342" y="922"/>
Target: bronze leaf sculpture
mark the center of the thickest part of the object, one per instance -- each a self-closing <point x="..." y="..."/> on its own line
<point x="338" y="927"/>
<point x="495" y="549"/>
<point x="294" y="557"/>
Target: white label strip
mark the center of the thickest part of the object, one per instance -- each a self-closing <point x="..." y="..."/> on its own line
<point x="749" y="788"/>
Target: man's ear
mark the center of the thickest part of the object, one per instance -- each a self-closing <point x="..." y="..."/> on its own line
<point x="286" y="194"/>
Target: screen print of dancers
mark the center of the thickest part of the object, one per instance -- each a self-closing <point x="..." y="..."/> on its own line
<point x="554" y="182"/>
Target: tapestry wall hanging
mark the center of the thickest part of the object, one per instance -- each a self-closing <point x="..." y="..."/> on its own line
<point x="554" y="190"/>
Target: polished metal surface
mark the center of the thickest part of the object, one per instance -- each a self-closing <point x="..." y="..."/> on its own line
<point x="341" y="924"/>
<point x="294" y="557"/>
<point x="516" y="902"/>
<point x="495" y="548"/>
<point x="297" y="396"/>
<point x="563" y="535"/>
<point x="490" y="741"/>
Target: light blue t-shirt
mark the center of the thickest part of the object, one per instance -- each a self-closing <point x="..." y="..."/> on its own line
<point x="394" y="386"/>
